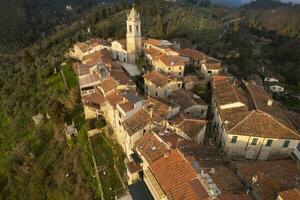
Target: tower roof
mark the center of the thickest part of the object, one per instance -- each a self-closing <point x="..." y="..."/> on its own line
<point x="133" y="15"/>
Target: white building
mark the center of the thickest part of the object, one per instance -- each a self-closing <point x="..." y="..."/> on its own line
<point x="249" y="124"/>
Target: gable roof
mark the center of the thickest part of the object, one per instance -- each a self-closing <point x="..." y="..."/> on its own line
<point x="272" y="176"/>
<point x="193" y="54"/>
<point x="108" y="84"/>
<point x="151" y="147"/>
<point x="157" y="78"/>
<point x="171" y="61"/>
<point x="159" y="108"/>
<point x="185" y="99"/>
<point x="177" y="178"/>
<point x="136" y="122"/>
<point x="260" y="124"/>
<point x="96" y="97"/>
<point x="153" y="42"/>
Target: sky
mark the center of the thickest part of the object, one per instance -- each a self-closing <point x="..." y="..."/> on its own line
<point x="285" y="1"/>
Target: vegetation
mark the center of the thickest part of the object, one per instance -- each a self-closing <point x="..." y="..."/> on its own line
<point x="109" y="157"/>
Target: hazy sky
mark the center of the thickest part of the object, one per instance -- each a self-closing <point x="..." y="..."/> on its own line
<point x="286" y="1"/>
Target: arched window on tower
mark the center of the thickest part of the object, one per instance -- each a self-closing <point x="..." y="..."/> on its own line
<point x="130" y="29"/>
<point x="137" y="28"/>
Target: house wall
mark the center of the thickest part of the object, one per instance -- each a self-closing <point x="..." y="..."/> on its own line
<point x="174" y="70"/>
<point x="244" y="148"/>
<point x="163" y="92"/>
<point x="118" y="53"/>
<point x="204" y="71"/>
<point x="131" y="139"/>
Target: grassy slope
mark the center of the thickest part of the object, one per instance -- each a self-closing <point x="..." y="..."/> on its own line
<point x="42" y="165"/>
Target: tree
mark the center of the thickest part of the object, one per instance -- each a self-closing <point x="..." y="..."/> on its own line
<point x="27" y="57"/>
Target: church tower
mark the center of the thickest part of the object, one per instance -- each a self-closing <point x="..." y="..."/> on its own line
<point x="133" y="36"/>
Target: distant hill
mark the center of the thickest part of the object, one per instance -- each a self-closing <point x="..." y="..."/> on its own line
<point x="273" y="16"/>
<point x="229" y="3"/>
<point x="23" y="21"/>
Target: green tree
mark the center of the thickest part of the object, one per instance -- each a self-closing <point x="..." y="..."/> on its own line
<point x="27" y="57"/>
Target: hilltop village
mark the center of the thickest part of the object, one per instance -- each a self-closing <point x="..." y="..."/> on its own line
<point x="233" y="142"/>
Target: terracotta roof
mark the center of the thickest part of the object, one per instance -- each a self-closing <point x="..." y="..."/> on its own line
<point x="90" y="79"/>
<point x="293" y="194"/>
<point x="212" y="60"/>
<point x="114" y="98"/>
<point x="224" y="177"/>
<point x="235" y="197"/>
<point x="153" y="52"/>
<point x="185" y="99"/>
<point x="177" y="178"/>
<point x="93" y="56"/>
<point x="193" y="54"/>
<point x="127" y="106"/>
<point x="153" y="42"/>
<point x="233" y="116"/>
<point x="159" y="108"/>
<point x="118" y="73"/>
<point x="83" y="69"/>
<point x="224" y="92"/>
<point x="191" y="127"/>
<point x="260" y="124"/>
<point x="260" y="99"/>
<point x="272" y="176"/>
<point x="108" y="84"/>
<point x="133" y="167"/>
<point x="191" y="79"/>
<point x="151" y="147"/>
<point x="157" y="78"/>
<point x="96" y="97"/>
<point x="172" y="60"/>
<point x="212" y="66"/>
<point x="82" y="46"/>
<point x="136" y="122"/>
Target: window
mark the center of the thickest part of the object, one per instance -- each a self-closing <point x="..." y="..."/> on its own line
<point x="254" y="141"/>
<point x="169" y="68"/>
<point x="234" y="139"/>
<point x="156" y="94"/>
<point x="286" y="144"/>
<point x="269" y="143"/>
<point x="130" y="28"/>
<point x="146" y="87"/>
<point x="179" y="73"/>
<point x="298" y="147"/>
<point x="119" y="123"/>
<point x="179" y="85"/>
<point x="137" y="29"/>
<point x="179" y="68"/>
<point x="120" y="114"/>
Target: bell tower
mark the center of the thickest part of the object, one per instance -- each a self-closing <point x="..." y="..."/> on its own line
<point x="133" y="36"/>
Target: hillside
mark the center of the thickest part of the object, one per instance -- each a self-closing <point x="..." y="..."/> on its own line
<point x="24" y="21"/>
<point x="273" y="16"/>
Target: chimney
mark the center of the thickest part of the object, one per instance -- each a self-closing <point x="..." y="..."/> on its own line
<point x="166" y="154"/>
<point x="254" y="179"/>
<point x="270" y="102"/>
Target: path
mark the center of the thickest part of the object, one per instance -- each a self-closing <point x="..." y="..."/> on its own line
<point x="96" y="171"/>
